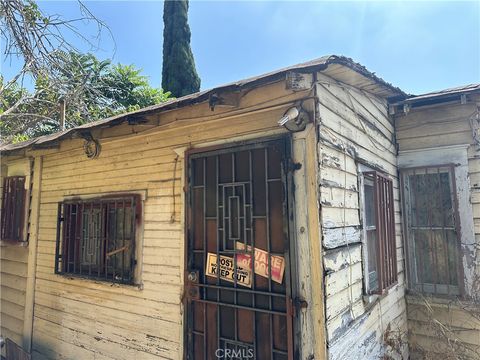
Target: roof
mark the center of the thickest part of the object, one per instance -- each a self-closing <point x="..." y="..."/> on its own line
<point x="339" y="67"/>
<point x="459" y="90"/>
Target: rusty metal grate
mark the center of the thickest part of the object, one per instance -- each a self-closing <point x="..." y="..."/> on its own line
<point x="13" y="208"/>
<point x="96" y="238"/>
<point x="381" y="229"/>
<point x="431" y="230"/>
<point x="237" y="212"/>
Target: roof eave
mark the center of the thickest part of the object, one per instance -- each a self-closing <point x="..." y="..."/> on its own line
<point x="196" y="98"/>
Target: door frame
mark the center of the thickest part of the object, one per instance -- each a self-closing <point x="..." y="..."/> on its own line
<point x="289" y="224"/>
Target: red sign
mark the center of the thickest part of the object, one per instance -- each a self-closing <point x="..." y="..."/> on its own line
<point x="277" y="263"/>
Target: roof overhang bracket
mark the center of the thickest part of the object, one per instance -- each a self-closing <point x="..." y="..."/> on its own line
<point x="225" y="100"/>
<point x="297" y="81"/>
<point x="136" y="120"/>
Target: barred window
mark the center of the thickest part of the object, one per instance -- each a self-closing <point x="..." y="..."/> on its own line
<point x="96" y="238"/>
<point x="431" y="230"/>
<point x="13" y="209"/>
<point x="380" y="253"/>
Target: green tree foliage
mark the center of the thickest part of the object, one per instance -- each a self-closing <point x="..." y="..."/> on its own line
<point x="92" y="90"/>
<point x="46" y="44"/>
<point x="179" y="75"/>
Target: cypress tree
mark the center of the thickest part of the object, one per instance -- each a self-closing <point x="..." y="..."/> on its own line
<point x="179" y="75"/>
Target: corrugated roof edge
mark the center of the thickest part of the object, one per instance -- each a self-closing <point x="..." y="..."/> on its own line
<point x="445" y="92"/>
<point x="317" y="64"/>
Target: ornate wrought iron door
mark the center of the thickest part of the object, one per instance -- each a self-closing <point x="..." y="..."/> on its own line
<point x="237" y="206"/>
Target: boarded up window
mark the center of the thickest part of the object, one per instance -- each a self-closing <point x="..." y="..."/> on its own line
<point x="380" y="251"/>
<point x="96" y="238"/>
<point x="431" y="230"/>
<point x="13" y="208"/>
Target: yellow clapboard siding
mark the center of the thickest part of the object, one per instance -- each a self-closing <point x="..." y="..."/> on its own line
<point x="121" y="186"/>
<point x="87" y="287"/>
<point x="454" y="316"/>
<point x="7" y="333"/>
<point x="107" y="332"/>
<point x="353" y="106"/>
<point x="12" y="309"/>
<point x="11" y="323"/>
<point x="126" y="176"/>
<point x="52" y="347"/>
<point x="85" y="166"/>
<point x="163" y="170"/>
<point x="426" y="141"/>
<point x="365" y="150"/>
<point x="13" y="295"/>
<point x="467" y="336"/>
<point x="166" y="139"/>
<point x="149" y="167"/>
<point x="13" y="253"/>
<point x="13" y="281"/>
<point x="13" y="267"/>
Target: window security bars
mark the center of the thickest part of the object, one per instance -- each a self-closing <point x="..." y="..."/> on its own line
<point x="431" y="230"/>
<point x="13" y="208"/>
<point x="96" y="238"/>
<point x="379" y="226"/>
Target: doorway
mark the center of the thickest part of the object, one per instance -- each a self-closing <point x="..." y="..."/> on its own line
<point x="238" y="273"/>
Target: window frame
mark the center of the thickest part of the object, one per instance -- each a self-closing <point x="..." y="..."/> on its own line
<point x="411" y="284"/>
<point x="7" y="233"/>
<point x="385" y="231"/>
<point x="100" y="201"/>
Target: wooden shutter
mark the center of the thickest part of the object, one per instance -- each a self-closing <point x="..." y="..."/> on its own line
<point x="385" y="220"/>
<point x="13" y="208"/>
<point x="387" y="252"/>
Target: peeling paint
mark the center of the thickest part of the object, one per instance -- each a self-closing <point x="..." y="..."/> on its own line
<point x="354" y="345"/>
<point x="336" y="237"/>
<point x="331" y="161"/>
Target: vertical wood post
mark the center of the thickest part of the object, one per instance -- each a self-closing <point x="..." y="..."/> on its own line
<point x="32" y="255"/>
<point x="310" y="320"/>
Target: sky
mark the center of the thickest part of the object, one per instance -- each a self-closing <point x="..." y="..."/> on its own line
<point x="417" y="46"/>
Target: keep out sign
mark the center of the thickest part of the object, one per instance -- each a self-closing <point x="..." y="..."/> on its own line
<point x="261" y="262"/>
<point x="226" y="270"/>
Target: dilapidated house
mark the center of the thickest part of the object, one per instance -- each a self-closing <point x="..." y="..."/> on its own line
<point x="261" y="219"/>
<point x="439" y="166"/>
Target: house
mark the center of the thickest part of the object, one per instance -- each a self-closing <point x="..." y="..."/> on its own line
<point x="260" y="219"/>
<point x="439" y="164"/>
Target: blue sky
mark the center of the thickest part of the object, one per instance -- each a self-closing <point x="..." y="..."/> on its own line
<point x="418" y="46"/>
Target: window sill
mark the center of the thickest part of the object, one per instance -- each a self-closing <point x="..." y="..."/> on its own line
<point x="14" y="243"/>
<point x="100" y="283"/>
<point x="370" y="300"/>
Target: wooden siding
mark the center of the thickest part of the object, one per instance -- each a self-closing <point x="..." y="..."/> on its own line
<point x="85" y="319"/>
<point x="442" y="328"/>
<point x="354" y="128"/>
<point x="13" y="269"/>
<point x="13" y="279"/>
<point x="428" y="128"/>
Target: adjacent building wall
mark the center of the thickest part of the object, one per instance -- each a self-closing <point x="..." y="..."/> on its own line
<point x="442" y="327"/>
<point x="355" y="128"/>
<point x="13" y="267"/>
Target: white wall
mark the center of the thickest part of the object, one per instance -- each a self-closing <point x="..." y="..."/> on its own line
<point x="354" y="128"/>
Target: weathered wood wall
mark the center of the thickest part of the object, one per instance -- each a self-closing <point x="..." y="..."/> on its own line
<point x="443" y="329"/>
<point x="427" y="128"/>
<point x="354" y="128"/>
<point x="85" y="319"/>
<point x="13" y="268"/>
